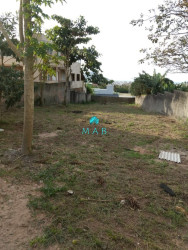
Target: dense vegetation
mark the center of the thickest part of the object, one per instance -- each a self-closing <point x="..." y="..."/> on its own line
<point x="152" y="84"/>
<point x="124" y="88"/>
<point x="89" y="89"/>
<point x="11" y="85"/>
<point x="182" y="86"/>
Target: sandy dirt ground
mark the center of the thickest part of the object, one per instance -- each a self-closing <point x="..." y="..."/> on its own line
<point x="17" y="224"/>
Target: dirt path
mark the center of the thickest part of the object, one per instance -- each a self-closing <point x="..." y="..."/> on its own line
<point x="17" y="225"/>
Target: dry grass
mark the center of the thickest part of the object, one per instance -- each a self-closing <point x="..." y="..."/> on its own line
<point x="102" y="170"/>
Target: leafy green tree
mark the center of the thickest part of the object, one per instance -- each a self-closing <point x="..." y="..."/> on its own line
<point x="168" y="31"/>
<point x="9" y="21"/>
<point x="141" y="85"/>
<point x="67" y="39"/>
<point x="124" y="88"/>
<point x="9" y="91"/>
<point x="31" y="18"/>
<point x="91" y="65"/>
<point x="99" y="79"/>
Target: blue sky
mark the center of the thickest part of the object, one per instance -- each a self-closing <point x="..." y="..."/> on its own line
<point x="118" y="41"/>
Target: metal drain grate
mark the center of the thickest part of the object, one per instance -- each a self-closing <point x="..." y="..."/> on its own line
<point x="170" y="156"/>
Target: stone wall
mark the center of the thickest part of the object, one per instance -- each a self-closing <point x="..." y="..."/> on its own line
<point x="172" y="104"/>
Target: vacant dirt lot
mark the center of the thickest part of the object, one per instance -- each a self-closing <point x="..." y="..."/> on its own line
<point x="93" y="191"/>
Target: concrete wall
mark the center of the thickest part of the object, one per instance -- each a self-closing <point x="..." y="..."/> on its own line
<point x="172" y="104"/>
<point x="77" y="84"/>
<point x="109" y="99"/>
<point x="53" y="93"/>
<point x="79" y="97"/>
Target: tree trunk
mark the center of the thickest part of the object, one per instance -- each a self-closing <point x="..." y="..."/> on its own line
<point x="28" y="83"/>
<point x="0" y="105"/>
<point x="2" y="57"/>
<point x="44" y="77"/>
<point x="41" y="93"/>
<point x="2" y="64"/>
<point x="67" y="90"/>
<point x="28" y="105"/>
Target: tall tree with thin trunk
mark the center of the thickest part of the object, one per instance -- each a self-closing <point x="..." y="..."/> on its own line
<point x="67" y="37"/>
<point x="31" y="17"/>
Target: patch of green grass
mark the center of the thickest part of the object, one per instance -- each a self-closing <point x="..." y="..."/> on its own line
<point x="49" y="120"/>
<point x="38" y="241"/>
<point x="41" y="203"/>
<point x="117" y="237"/>
<point x="72" y="156"/>
<point x="51" y="235"/>
<point x="3" y="172"/>
<point x="158" y="167"/>
<point x="136" y="155"/>
<point x="144" y="142"/>
<point x="152" y="208"/>
<point x="4" y="122"/>
<point x="16" y="173"/>
<point x="49" y="190"/>
<point x="153" y="231"/>
<point x="49" y="173"/>
<point x="130" y="124"/>
<point x="177" y="219"/>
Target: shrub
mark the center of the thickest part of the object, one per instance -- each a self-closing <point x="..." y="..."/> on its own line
<point x="147" y="84"/>
<point x="182" y="86"/>
<point x="124" y="88"/>
<point x="89" y="89"/>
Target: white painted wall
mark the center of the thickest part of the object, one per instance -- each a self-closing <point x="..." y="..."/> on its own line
<point x="108" y="91"/>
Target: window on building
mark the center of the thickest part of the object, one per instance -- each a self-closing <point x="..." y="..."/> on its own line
<point x="63" y="76"/>
<point x="73" y="77"/>
<point x="53" y="78"/>
<point x="48" y="78"/>
<point x="78" y="77"/>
